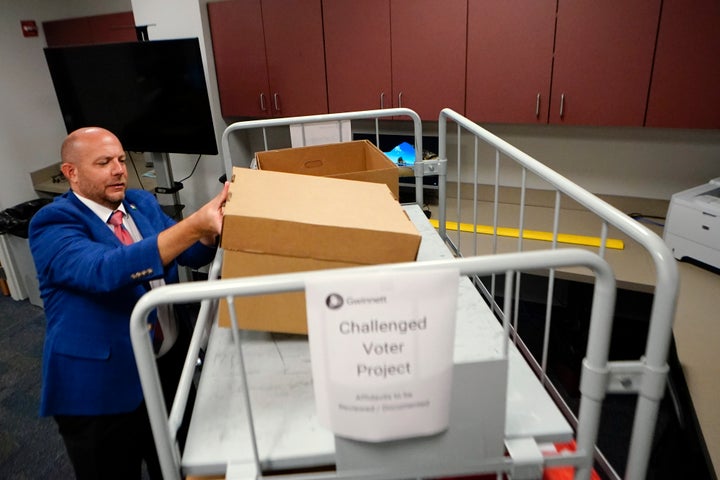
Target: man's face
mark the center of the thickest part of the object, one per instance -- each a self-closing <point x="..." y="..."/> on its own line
<point x="96" y="168"/>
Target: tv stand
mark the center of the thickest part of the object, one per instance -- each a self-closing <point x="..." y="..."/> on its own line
<point x="166" y="185"/>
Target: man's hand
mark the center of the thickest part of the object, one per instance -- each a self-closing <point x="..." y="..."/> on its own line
<point x="211" y="216"/>
<point x="204" y="225"/>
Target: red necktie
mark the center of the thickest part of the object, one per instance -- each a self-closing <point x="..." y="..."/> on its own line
<point x="120" y="231"/>
<point x="126" y="239"/>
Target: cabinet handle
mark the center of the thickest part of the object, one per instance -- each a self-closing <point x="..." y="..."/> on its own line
<point x="537" y="106"/>
<point x="562" y="105"/>
<point x="400" y="100"/>
<point x="382" y="100"/>
<point x="276" y="102"/>
<point x="262" y="102"/>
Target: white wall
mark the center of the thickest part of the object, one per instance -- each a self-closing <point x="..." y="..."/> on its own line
<point x="639" y="162"/>
<point x="648" y="163"/>
<point x="31" y="128"/>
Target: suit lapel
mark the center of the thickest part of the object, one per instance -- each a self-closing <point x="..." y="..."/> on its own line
<point x="99" y="228"/>
<point x="141" y="221"/>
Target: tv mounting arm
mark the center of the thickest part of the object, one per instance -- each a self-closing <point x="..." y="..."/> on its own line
<point x="141" y="31"/>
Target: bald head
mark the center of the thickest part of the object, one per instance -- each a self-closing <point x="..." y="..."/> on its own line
<point x="81" y="139"/>
<point x="93" y="161"/>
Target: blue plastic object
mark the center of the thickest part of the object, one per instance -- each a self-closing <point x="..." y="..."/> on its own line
<point x="403" y="154"/>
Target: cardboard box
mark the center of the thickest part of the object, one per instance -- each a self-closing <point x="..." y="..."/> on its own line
<point x="359" y="160"/>
<point x="280" y="222"/>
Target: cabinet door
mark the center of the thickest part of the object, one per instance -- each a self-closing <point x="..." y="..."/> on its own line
<point x="295" y="56"/>
<point x="685" y="90"/>
<point x="428" y="55"/>
<point x="509" y="60"/>
<point x="71" y="31"/>
<point x="603" y="61"/>
<point x="109" y="28"/>
<point x="357" y="52"/>
<point x="113" y="28"/>
<point x="239" y="50"/>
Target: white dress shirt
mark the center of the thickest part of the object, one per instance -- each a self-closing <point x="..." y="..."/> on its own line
<point x="165" y="313"/>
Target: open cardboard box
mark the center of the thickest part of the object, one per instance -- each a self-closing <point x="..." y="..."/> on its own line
<point x="280" y="222"/>
<point x="358" y="160"/>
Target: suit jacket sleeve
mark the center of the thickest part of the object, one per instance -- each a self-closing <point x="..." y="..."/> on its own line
<point x="90" y="283"/>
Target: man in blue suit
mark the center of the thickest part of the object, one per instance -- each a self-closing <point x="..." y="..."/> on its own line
<point x="90" y="282"/>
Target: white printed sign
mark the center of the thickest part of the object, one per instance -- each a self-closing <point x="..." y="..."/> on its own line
<point x="381" y="346"/>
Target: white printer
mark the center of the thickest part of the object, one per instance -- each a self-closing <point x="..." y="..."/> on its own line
<point x="692" y="226"/>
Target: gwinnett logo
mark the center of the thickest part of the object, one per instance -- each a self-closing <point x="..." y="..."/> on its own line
<point x="334" y="301"/>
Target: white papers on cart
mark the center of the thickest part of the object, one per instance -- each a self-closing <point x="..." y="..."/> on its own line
<point x="381" y="346"/>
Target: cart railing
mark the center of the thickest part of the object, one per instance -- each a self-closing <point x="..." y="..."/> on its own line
<point x="164" y="427"/>
<point x="647" y="375"/>
<point x="421" y="167"/>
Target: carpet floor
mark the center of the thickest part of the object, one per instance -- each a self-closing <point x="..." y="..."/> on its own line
<point x="30" y="446"/>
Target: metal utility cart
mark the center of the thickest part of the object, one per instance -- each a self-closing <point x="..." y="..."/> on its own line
<point x="254" y="414"/>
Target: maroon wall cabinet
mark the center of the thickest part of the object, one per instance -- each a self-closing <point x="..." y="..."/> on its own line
<point x="396" y="53"/>
<point x="238" y="43"/>
<point x="685" y="89"/>
<point x="110" y="28"/>
<point x="269" y="57"/>
<point x="603" y="61"/>
<point x="572" y="62"/>
<point x="428" y="55"/>
<point x="357" y="52"/>
<point x="509" y="60"/>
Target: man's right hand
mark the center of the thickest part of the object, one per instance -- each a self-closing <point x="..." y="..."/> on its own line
<point x="211" y="216"/>
<point x="204" y="225"/>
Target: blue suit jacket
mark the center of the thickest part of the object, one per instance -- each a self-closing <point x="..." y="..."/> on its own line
<point x="89" y="283"/>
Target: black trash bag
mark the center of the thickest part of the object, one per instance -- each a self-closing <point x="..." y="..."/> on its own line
<point x="7" y="223"/>
<point x="15" y="220"/>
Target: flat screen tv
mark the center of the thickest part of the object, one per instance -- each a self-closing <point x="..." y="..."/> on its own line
<point x="152" y="95"/>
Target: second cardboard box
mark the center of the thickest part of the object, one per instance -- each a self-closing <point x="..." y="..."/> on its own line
<point x="358" y="160"/>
